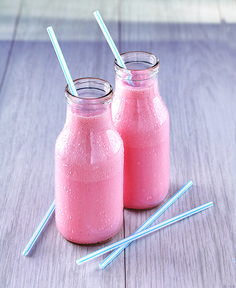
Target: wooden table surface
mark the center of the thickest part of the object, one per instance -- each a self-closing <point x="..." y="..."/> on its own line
<point x="196" y="43"/>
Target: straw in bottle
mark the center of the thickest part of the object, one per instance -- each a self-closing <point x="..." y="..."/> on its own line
<point x="70" y="82"/>
<point x="62" y="60"/>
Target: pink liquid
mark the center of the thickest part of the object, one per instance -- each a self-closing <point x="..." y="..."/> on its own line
<point x="142" y="119"/>
<point x="89" y="178"/>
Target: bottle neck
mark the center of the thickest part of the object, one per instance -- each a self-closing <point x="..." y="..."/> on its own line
<point x="91" y="109"/>
<point x="139" y="66"/>
<point x="84" y="118"/>
<point x="147" y="88"/>
<point x="139" y="76"/>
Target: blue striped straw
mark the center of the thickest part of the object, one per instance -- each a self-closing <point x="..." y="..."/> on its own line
<point x="39" y="230"/>
<point x="108" y="38"/>
<point x="146" y="224"/>
<point x="145" y="232"/>
<point x="70" y="82"/>
<point x="62" y="61"/>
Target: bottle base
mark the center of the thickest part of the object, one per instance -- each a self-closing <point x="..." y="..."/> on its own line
<point x="92" y="240"/>
<point x="88" y="244"/>
<point x="144" y="206"/>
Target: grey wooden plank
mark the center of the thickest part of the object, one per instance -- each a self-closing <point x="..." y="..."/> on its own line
<point x="9" y="13"/>
<point x="195" y="253"/>
<point x="71" y="20"/>
<point x="5" y="47"/>
<point x="191" y="256"/>
<point x="227" y="10"/>
<point x="157" y="11"/>
<point x="32" y="114"/>
<point x="199" y="92"/>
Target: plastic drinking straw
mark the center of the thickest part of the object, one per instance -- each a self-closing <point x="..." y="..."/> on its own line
<point x="109" y="39"/>
<point x="70" y="82"/>
<point x="144" y="233"/>
<point x="62" y="61"/>
<point x="146" y="224"/>
<point x="111" y="43"/>
<point x="39" y="230"/>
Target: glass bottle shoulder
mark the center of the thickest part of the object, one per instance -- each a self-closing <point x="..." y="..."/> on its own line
<point x="87" y="145"/>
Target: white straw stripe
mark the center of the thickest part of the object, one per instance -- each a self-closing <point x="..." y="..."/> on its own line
<point x="62" y="60"/>
<point x="146" y="224"/>
<point x="39" y="230"/>
<point x="108" y="38"/>
<point x="145" y="232"/>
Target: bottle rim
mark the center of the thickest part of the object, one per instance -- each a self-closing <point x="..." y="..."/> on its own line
<point x="154" y="66"/>
<point x="99" y="86"/>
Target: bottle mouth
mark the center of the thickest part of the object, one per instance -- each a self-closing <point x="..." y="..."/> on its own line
<point x="138" y="63"/>
<point x="90" y="91"/>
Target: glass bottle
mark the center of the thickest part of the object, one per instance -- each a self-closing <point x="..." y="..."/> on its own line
<point x="89" y="158"/>
<point x="142" y="119"/>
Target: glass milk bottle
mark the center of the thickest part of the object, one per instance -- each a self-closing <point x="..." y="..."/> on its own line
<point x="142" y="120"/>
<point x="89" y="158"/>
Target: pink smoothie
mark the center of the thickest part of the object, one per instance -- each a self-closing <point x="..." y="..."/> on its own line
<point x="142" y="119"/>
<point x="89" y="177"/>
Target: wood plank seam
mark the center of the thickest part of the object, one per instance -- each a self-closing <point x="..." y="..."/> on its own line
<point x="11" y="46"/>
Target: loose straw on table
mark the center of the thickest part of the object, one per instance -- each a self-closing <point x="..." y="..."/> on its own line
<point x="146" y="224"/>
<point x="39" y="230"/>
<point x="144" y="233"/>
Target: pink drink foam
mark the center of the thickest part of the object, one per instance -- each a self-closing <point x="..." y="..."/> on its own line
<point x="89" y="178"/>
<point x="142" y="119"/>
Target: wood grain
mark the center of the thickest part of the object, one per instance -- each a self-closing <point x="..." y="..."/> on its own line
<point x="9" y="16"/>
<point x="202" y="144"/>
<point x="197" y="79"/>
